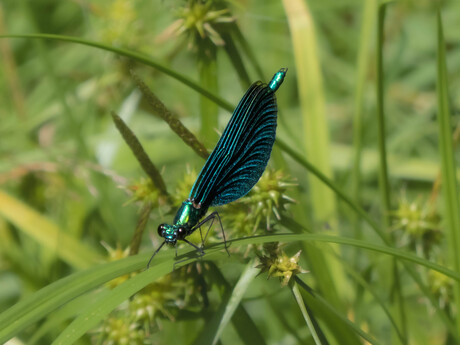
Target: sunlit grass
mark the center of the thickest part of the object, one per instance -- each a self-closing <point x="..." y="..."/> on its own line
<point x="365" y="127"/>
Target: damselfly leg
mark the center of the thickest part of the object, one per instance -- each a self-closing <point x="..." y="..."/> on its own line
<point x="155" y="253"/>
<point x="211" y="218"/>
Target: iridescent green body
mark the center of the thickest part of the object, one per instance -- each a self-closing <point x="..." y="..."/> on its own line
<point x="186" y="218"/>
<point x="234" y="166"/>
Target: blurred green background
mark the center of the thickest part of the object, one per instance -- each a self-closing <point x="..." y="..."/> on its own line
<point x="365" y="110"/>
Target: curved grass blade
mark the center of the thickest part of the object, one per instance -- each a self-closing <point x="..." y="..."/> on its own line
<point x="98" y="311"/>
<point x="225" y="105"/>
<point x="61" y="317"/>
<point x="135" y="56"/>
<point x="398" y="253"/>
<point x="43" y="302"/>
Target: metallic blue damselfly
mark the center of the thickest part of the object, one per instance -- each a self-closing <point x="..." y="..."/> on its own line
<point x="234" y="166"/>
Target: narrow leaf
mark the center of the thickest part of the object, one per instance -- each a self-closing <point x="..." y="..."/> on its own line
<point x="364" y="57"/>
<point x="384" y="184"/>
<point x="160" y="109"/>
<point x="449" y="182"/>
<point x="312" y="103"/>
<point x="312" y="326"/>
<point x="237" y="294"/>
<point x="140" y="154"/>
<point x="97" y="311"/>
<point x="43" y="302"/>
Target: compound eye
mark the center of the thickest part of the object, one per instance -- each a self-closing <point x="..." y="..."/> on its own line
<point x="161" y="229"/>
<point x="181" y="233"/>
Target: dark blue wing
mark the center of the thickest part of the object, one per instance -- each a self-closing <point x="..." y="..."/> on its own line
<point x="242" y="153"/>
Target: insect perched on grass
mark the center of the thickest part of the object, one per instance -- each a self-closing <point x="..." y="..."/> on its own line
<point x="234" y="166"/>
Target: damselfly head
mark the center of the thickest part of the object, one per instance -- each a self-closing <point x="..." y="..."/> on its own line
<point x="172" y="233"/>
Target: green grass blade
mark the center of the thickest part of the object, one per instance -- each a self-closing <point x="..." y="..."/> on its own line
<point x="306" y="315"/>
<point x="384" y="184"/>
<point x="60" y="318"/>
<point x="144" y="59"/>
<point x="238" y="292"/>
<point x="369" y="9"/>
<point x="367" y="26"/>
<point x="241" y="320"/>
<point x="395" y="252"/>
<point x="312" y="104"/>
<point x="288" y="238"/>
<point x="316" y="140"/>
<point x="449" y="181"/>
<point x="43" y="302"/>
<point x="96" y="312"/>
<point x="46" y="233"/>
